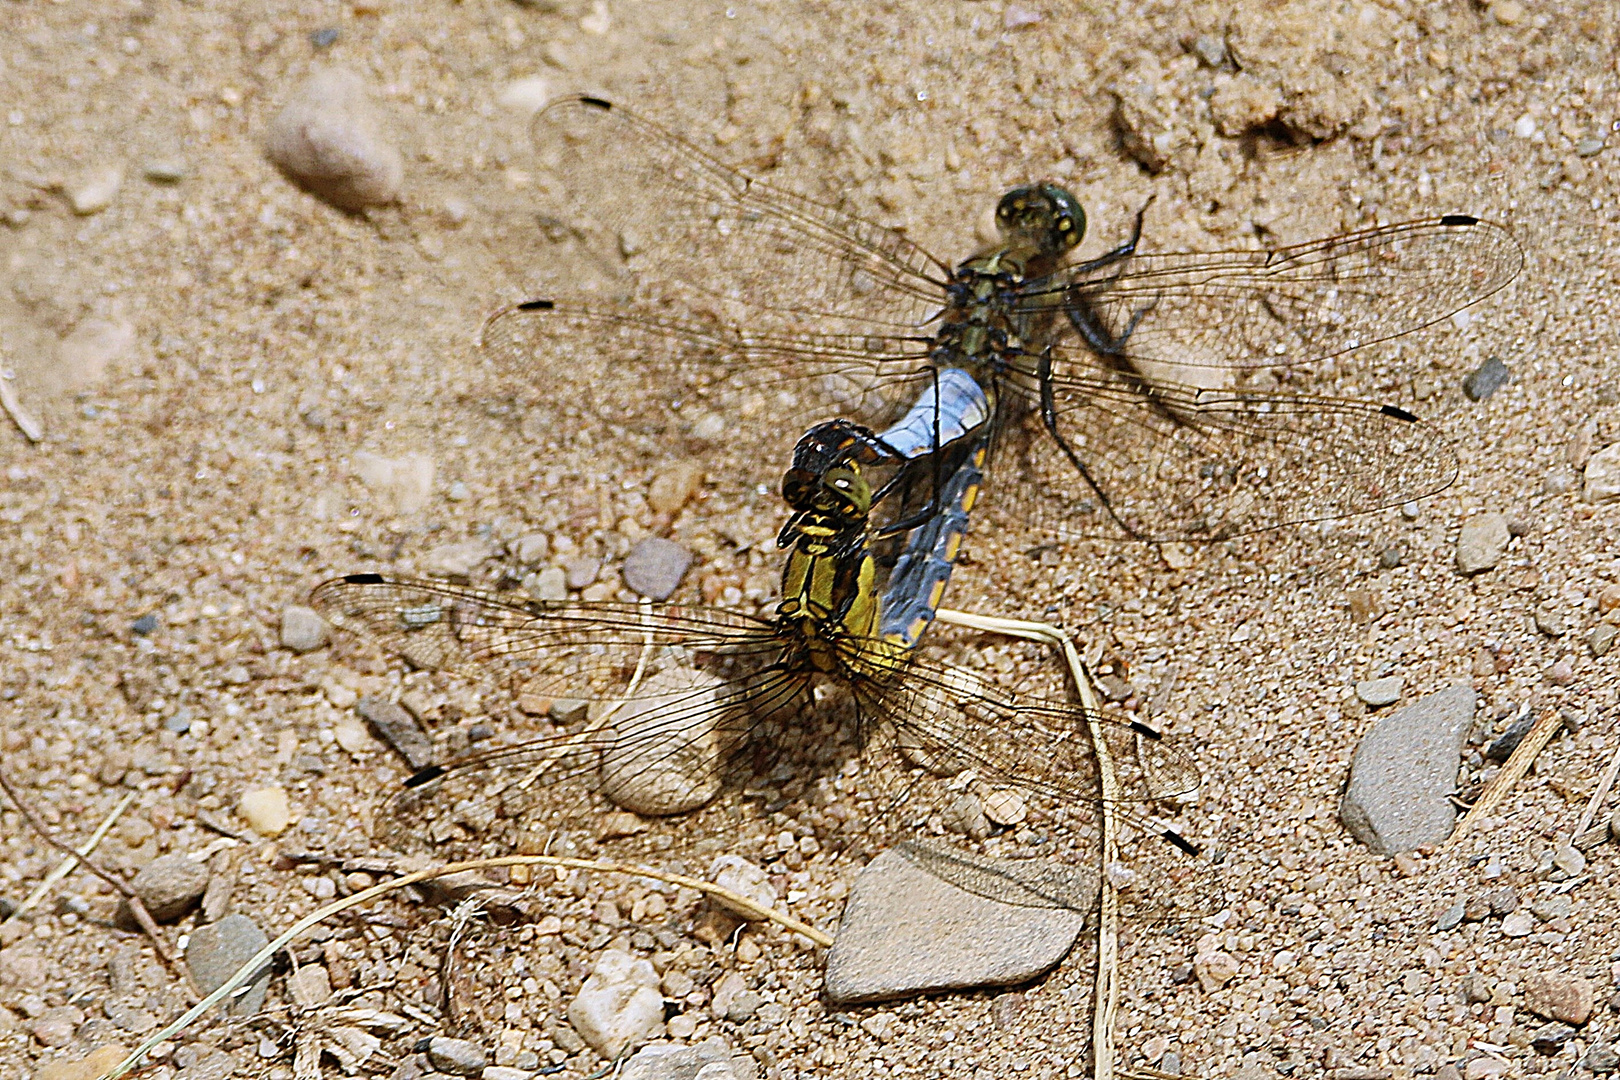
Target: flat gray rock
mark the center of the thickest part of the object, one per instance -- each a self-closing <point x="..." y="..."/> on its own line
<point x="905" y="931"/>
<point x="711" y="1059"/>
<point x="1481" y="542"/>
<point x="1404" y="772"/>
<point x="215" y="952"/>
<point x="655" y="567"/>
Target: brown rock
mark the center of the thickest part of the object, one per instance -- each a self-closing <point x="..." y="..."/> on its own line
<point x="1559" y="997"/>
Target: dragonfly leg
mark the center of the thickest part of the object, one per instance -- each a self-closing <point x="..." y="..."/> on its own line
<point x="1126" y="249"/>
<point x="1043" y="374"/>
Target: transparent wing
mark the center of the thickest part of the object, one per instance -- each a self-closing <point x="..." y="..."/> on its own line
<point x="703" y="233"/>
<point x="759" y="386"/>
<point x="1161" y="461"/>
<point x="951" y="736"/>
<point x="1289" y="305"/>
<point x="574" y="648"/>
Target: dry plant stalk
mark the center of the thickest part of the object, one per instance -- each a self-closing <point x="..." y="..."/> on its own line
<point x="1518" y="763"/>
<point x="1105" y="998"/>
<point x="136" y="907"/>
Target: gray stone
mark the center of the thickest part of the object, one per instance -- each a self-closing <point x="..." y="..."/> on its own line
<point x="1481" y="542"/>
<point x="1602" y="476"/>
<point x="1404" y="771"/>
<point x="302" y="629"/>
<point x="713" y="1058"/>
<point x="170" y="886"/>
<point x="460" y="1057"/>
<point x="1380" y="692"/>
<point x="655" y="566"/>
<point x="1450" y="917"/>
<point x="327" y="140"/>
<point x="215" y="952"/>
<point x="398" y="728"/>
<point x="905" y="931"/>
<point x="1502" y="747"/>
<point x="1602" y="638"/>
<point x="1485" y="380"/>
<point x="744" y="1006"/>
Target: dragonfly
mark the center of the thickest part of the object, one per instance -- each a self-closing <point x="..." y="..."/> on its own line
<point x="1122" y="395"/>
<point x="826" y="704"/>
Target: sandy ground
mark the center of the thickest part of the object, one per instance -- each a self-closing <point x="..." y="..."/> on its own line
<point x="208" y="356"/>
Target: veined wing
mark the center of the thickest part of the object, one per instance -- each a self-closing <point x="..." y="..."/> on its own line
<point x="950" y="735"/>
<point x="573" y="648"/>
<point x="1151" y="460"/>
<point x="1289" y="305"/>
<point x="759" y="381"/>
<point x="948" y="720"/>
<point x="698" y="231"/>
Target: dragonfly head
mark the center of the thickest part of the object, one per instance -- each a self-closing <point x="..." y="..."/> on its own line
<point x="1043" y="215"/>
<point x="826" y="475"/>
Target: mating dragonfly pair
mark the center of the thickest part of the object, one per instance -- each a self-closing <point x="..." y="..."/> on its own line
<point x="1109" y="397"/>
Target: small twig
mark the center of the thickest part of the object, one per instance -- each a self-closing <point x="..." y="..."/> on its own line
<point x="65" y="867"/>
<point x="30" y="427"/>
<point x="251" y="968"/>
<point x="1513" y="771"/>
<point x="1106" y="995"/>
<point x="136" y="908"/>
<point x="1599" y="795"/>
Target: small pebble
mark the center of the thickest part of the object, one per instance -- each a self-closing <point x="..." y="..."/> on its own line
<point x="170" y="885"/>
<point x="398" y="728"/>
<point x="1550" y="1038"/>
<point x="1602" y="476"/>
<point x="1390" y="557"/>
<point x="1519" y="924"/>
<point x="1548" y="908"/>
<point x="266" y="810"/>
<point x="164" y="171"/>
<point x="619" y="1005"/>
<point x="327" y="140"/>
<point x="1562" y="673"/>
<point x="1559" y="480"/>
<point x="655" y="566"/>
<point x="532" y="549"/>
<point x="1589" y="147"/>
<point x="1451" y="917"/>
<point x="743" y="1006"/>
<point x="674" y="487"/>
<point x="1481" y="542"/>
<point x="460" y="1057"/>
<point x="1380" y="692"/>
<point x="527" y="95"/>
<point x="738" y="875"/>
<point x="56" y="1025"/>
<point x="1485" y="380"/>
<point x="550" y="584"/>
<point x="568" y="711"/>
<point x="1502" y="901"/>
<point x="581" y="572"/>
<point x="711" y="1059"/>
<point x="1005" y="807"/>
<point x="1214" y="969"/>
<point x="506" y="1072"/>
<point x="216" y="950"/>
<point x="1601" y="640"/>
<point x="98" y="1062"/>
<point x="403" y="485"/>
<point x="1503" y="746"/>
<point x="458" y="492"/>
<point x="1559" y="996"/>
<point x="1549" y="622"/>
<point x="1210" y="49"/>
<point x="1568" y="858"/>
<point x="94" y="191"/>
<point x="302" y="629"/>
<point x="458" y="560"/>
<point x="325" y="37"/>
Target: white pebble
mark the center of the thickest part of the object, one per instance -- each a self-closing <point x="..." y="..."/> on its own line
<point x="94" y="191"/>
<point x="266" y="810"/>
<point x="327" y="139"/>
<point x="619" y="1005"/>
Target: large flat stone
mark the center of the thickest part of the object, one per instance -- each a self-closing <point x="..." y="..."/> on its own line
<point x="905" y="931"/>
<point x="1404" y="772"/>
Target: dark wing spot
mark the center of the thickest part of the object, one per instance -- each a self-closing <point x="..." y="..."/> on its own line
<point x="536" y="305"/>
<point x="1459" y="219"/>
<point x="362" y="579"/>
<point x="1398" y="413"/>
<point x="596" y="102"/>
